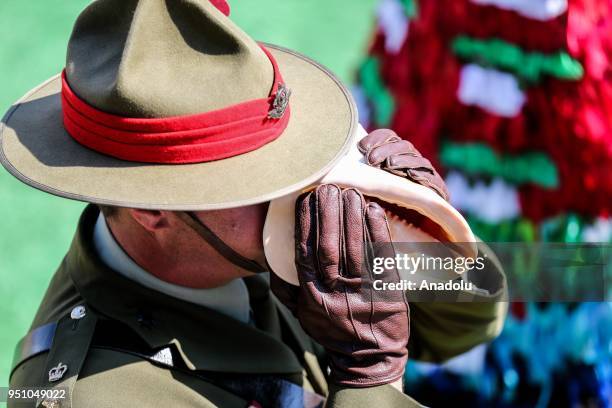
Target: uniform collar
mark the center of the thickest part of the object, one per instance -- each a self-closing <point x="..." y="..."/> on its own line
<point x="231" y="299"/>
<point x="207" y="340"/>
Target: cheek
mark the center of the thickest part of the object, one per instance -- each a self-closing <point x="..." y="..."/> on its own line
<point x="250" y="239"/>
<point x="250" y="226"/>
<point x="256" y="225"/>
<point x="241" y="228"/>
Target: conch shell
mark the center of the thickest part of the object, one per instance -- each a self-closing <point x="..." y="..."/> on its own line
<point x="396" y="194"/>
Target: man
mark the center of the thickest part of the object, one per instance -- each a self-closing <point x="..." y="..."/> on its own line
<point x="182" y="129"/>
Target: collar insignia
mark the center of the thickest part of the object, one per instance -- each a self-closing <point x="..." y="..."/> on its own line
<point x="56" y="373"/>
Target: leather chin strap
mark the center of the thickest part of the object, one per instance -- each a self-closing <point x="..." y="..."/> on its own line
<point x="217" y="243"/>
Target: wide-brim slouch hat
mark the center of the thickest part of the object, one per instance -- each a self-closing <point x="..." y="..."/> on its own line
<point x="170" y="105"/>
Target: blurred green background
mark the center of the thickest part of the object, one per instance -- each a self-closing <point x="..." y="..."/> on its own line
<point x="36" y="228"/>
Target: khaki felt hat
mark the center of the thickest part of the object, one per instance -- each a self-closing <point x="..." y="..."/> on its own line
<point x="154" y="59"/>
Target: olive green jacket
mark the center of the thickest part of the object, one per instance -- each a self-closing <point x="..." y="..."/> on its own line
<point x="138" y="347"/>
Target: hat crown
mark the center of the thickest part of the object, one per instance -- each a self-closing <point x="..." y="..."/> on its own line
<point x="161" y="58"/>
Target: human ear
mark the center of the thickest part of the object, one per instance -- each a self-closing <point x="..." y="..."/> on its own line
<point x="151" y="220"/>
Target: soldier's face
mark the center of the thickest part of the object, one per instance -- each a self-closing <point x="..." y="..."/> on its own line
<point x="164" y="245"/>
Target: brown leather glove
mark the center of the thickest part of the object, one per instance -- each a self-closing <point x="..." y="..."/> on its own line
<point x="366" y="338"/>
<point x="384" y="149"/>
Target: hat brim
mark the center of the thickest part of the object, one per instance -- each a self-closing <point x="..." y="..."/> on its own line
<point x="36" y="149"/>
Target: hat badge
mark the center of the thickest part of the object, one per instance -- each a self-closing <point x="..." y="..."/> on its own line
<point x="56" y="373"/>
<point x="280" y="103"/>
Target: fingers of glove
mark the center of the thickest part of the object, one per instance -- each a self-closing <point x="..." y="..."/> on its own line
<point x="420" y="170"/>
<point x="384" y="148"/>
<point x="376" y="223"/>
<point x="329" y="232"/>
<point x="433" y="181"/>
<point x="378" y="232"/>
<point x="306" y="237"/>
<point x="354" y="231"/>
<point x="377" y="138"/>
<point x="407" y="161"/>
<point x="285" y="292"/>
<point x="384" y="301"/>
<point x="437" y="183"/>
<point x="381" y="153"/>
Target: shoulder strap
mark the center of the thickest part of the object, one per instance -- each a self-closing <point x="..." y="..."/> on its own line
<point x="68" y="352"/>
<point x="67" y="342"/>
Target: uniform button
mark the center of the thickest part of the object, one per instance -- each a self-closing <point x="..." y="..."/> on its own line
<point x="78" y="312"/>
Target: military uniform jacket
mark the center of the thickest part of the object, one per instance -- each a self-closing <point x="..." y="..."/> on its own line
<point x="107" y="341"/>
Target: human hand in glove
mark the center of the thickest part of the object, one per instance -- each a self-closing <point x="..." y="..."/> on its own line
<point x="366" y="338"/>
<point x="384" y="149"/>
